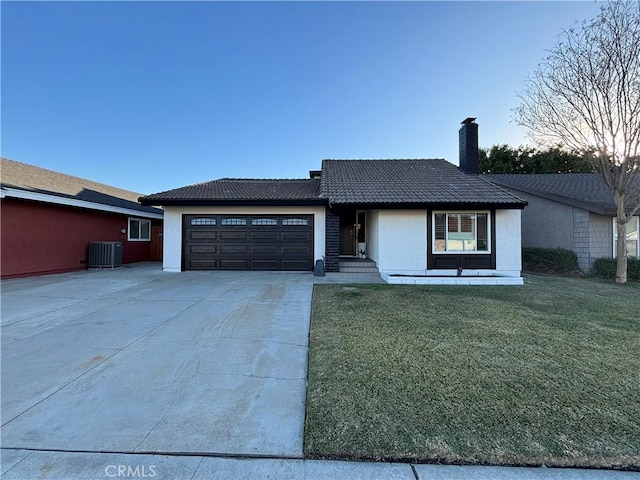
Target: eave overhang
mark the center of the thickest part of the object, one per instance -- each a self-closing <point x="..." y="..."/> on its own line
<point x="230" y="203"/>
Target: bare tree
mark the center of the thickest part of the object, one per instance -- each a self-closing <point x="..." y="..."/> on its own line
<point x="586" y="95"/>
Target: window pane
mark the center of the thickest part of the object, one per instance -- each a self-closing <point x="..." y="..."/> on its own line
<point x="134" y="229"/>
<point x="203" y="221"/>
<point x="145" y="227"/>
<point x="464" y="238"/>
<point x="439" y="225"/>
<point x="234" y="221"/>
<point x="264" y="221"/>
<point x="466" y="223"/>
<point x="461" y="232"/>
<point x="483" y="234"/>
<point x="361" y="227"/>
<point x="632" y="237"/>
<point x="294" y="221"/>
<point x="452" y="224"/>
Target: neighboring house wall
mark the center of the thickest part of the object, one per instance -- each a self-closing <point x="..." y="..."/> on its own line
<point x="581" y="243"/>
<point x="39" y="238"/>
<point x="546" y="223"/>
<point x="172" y="253"/>
<point x="600" y="237"/>
<point x="593" y="237"/>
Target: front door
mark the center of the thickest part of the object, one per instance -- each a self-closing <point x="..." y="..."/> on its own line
<point x="347" y="234"/>
<point x="156" y="243"/>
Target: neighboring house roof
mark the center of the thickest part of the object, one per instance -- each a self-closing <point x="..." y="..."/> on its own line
<point x="432" y="181"/>
<point x="229" y="191"/>
<point x="351" y="182"/>
<point x="582" y="190"/>
<point x="20" y="180"/>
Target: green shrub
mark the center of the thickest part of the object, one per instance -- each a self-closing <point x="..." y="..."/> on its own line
<point x="549" y="260"/>
<point x="606" y="268"/>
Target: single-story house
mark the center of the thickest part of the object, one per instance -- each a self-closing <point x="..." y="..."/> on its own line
<point x="49" y="218"/>
<point x="574" y="211"/>
<point x="411" y="217"/>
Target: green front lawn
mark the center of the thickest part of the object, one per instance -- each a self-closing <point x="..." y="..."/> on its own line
<point x="546" y="373"/>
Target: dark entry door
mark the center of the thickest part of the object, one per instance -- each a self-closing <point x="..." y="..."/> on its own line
<point x="156" y="243"/>
<point x="347" y="234"/>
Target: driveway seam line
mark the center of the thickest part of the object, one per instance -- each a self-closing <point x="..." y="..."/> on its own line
<point x="164" y="453"/>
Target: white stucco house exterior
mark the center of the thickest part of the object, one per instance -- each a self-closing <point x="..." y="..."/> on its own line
<point x="416" y="219"/>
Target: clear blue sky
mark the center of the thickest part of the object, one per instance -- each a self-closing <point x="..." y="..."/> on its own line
<point x="150" y="96"/>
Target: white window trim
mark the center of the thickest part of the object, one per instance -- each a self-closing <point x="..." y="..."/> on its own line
<point x="460" y="252"/>
<point x="140" y="220"/>
<point x="615" y="238"/>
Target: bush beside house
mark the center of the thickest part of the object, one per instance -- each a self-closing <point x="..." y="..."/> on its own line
<point x="549" y="260"/>
<point x="606" y="268"/>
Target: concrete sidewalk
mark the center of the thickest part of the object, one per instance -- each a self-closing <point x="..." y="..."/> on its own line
<point x="21" y="465"/>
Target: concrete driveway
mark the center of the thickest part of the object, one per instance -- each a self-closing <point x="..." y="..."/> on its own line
<point x="137" y="360"/>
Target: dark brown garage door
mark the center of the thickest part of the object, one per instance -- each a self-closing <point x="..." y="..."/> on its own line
<point x="248" y="242"/>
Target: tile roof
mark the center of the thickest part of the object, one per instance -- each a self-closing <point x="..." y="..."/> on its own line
<point x="583" y="190"/>
<point x="433" y="181"/>
<point x="242" y="190"/>
<point x="40" y="180"/>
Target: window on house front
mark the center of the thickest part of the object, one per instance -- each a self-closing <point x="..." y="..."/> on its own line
<point x="460" y="232"/>
<point x="632" y="240"/>
<point x="139" y="229"/>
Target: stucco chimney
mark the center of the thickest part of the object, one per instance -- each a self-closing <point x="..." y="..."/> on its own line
<point x="468" y="140"/>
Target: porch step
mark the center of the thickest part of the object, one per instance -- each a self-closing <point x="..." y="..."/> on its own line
<point x="360" y="266"/>
<point x="344" y="269"/>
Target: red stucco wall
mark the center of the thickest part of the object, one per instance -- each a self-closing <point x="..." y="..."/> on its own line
<point x="40" y="238"/>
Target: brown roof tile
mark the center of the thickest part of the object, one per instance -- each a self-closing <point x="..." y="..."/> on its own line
<point x="432" y="181"/>
<point x="36" y="179"/>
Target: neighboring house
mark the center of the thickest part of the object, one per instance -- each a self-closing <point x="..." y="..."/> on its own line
<point x="49" y="218"/>
<point x="575" y="211"/>
<point x="411" y="217"/>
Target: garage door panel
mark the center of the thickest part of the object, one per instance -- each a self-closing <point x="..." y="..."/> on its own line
<point x="248" y="242"/>
<point x="203" y="234"/>
<point x="288" y="236"/>
<point x="203" y="249"/>
<point x="234" y="235"/>
<point x="294" y="265"/>
<point x="203" y="264"/>
<point x="234" y="264"/>
<point x="233" y="249"/>
<point x="264" y="250"/>
<point x="257" y="236"/>
<point x="295" y="250"/>
<point x="265" y="265"/>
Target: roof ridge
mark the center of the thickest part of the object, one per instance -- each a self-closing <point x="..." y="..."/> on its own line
<point x="241" y="179"/>
<point x="382" y="159"/>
